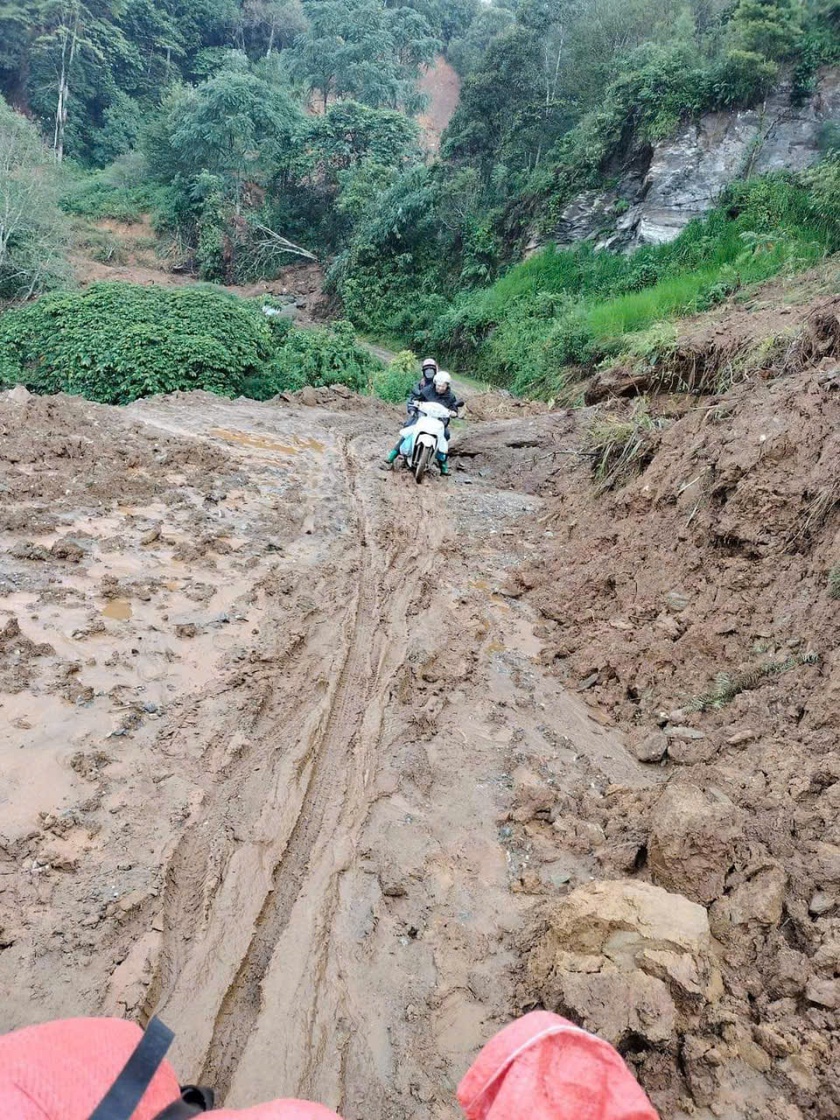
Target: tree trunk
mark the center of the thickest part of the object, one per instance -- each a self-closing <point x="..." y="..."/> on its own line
<point x="68" y="54"/>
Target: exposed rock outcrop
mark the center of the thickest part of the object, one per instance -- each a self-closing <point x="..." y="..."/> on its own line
<point x="682" y="178"/>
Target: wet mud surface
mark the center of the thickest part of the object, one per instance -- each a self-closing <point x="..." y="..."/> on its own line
<point x="265" y="714"/>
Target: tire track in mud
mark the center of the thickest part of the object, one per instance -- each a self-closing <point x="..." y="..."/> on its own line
<point x="329" y="757"/>
<point x="242" y="1004"/>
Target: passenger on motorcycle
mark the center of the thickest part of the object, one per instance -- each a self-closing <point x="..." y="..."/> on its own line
<point x="427" y="376"/>
<point x="428" y="370"/>
<point x="440" y="391"/>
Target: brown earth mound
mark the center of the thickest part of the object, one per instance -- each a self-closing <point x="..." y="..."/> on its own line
<point x="714" y="352"/>
<point x="697" y="606"/>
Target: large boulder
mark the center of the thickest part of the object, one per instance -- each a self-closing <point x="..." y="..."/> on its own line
<point x="627" y="960"/>
<point x="692" y="839"/>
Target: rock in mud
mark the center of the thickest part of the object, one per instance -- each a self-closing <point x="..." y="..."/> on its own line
<point x="19" y="395"/>
<point x="66" y="549"/>
<point x="28" y="550"/>
<point x="759" y="900"/>
<point x="693" y="835"/>
<point x="824" y="993"/>
<point x="821" y="902"/>
<point x="627" y="960"/>
<point x="649" y="746"/>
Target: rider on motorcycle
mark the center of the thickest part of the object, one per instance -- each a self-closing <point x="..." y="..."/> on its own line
<point x="438" y="390"/>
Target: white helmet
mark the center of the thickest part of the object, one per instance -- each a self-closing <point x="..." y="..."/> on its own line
<point x="442" y="380"/>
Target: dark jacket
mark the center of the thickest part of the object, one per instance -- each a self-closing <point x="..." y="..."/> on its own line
<point x="428" y="393"/>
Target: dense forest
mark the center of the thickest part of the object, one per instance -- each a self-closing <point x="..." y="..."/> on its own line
<point x="258" y="132"/>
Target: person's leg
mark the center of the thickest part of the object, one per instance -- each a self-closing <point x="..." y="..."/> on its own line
<point x="443" y="458"/>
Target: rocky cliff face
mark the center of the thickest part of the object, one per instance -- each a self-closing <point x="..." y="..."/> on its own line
<point x="681" y="178"/>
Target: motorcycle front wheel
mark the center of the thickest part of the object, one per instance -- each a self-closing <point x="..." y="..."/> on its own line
<point x="423" y="460"/>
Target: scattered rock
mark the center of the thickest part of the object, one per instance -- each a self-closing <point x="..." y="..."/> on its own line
<point x="28" y="550"/>
<point x="759" y="900"/>
<point x="66" y="549"/>
<point x="687" y="734"/>
<point x="740" y="738"/>
<point x="151" y="535"/>
<point x="677" y="601"/>
<point x="824" y="993"/>
<point x="533" y="799"/>
<point x="619" y="1006"/>
<point x="690" y="752"/>
<point x="186" y="630"/>
<point x="19" y="395"/>
<point x="693" y="833"/>
<point x="821" y="902"/>
<point x="627" y="960"/>
<point x="649" y="746"/>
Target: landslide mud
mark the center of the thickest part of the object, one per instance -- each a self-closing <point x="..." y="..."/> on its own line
<point x="269" y="715"/>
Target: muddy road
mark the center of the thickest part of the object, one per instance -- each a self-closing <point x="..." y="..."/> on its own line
<point x="264" y="715"/>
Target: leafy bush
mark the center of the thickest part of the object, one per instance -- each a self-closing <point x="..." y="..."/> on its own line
<point x="116" y="342"/>
<point x="119" y="192"/>
<point x="313" y="357"/>
<point x="397" y="379"/>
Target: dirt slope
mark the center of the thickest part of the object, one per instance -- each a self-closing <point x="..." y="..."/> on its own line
<point x="442" y="86"/>
<point x="698" y="604"/>
<point x="266" y="720"/>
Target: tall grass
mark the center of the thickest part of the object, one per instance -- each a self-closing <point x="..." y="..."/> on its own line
<point x="572" y="307"/>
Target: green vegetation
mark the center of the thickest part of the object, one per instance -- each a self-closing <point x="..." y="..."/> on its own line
<point x="575" y="307"/>
<point x="395" y="381"/>
<point x="729" y="685"/>
<point x="33" y="232"/>
<point x="316" y="358"/>
<point x="116" y="342"/>
<point x="200" y="116"/>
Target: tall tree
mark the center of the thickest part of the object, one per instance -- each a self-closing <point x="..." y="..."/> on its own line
<point x="362" y="50"/>
<point x="767" y="27"/>
<point x="271" y="25"/>
<point x="234" y="126"/>
<point x="33" y="231"/>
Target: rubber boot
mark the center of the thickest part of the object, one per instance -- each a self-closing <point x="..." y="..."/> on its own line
<point x="444" y="465"/>
<point x="392" y="455"/>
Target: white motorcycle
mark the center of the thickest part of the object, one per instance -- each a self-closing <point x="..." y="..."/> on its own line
<point x="424" y="440"/>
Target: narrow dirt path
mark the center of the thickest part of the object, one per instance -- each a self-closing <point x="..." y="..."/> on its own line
<point x="334" y="886"/>
<point x="303" y="929"/>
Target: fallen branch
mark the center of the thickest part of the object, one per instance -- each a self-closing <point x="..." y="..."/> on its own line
<point x="283" y="242"/>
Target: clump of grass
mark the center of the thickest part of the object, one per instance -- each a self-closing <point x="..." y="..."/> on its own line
<point x="621" y="448"/>
<point x="727" y="686"/>
<point x="650" y="348"/>
<point x="100" y="245"/>
<point x="834" y="582"/>
<point x="816" y="511"/>
<point x="770" y="353"/>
